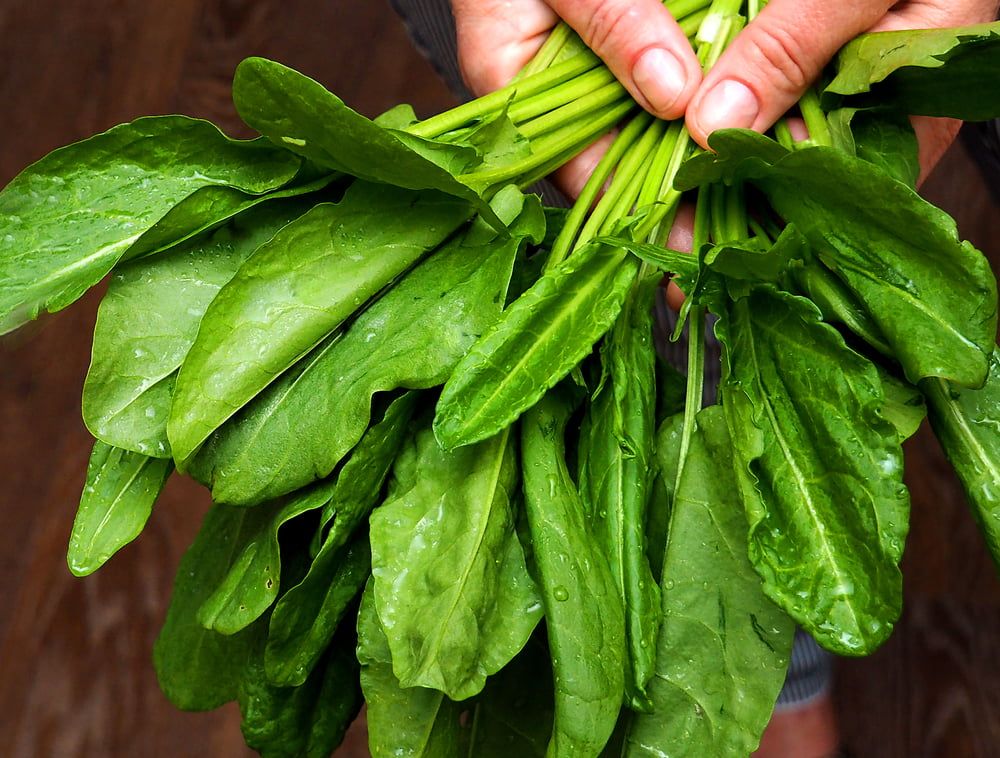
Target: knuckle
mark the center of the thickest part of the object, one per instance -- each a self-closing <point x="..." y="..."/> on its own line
<point x="778" y="51"/>
<point x="604" y="26"/>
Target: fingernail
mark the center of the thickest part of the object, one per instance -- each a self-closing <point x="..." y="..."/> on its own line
<point x="728" y="105"/>
<point x="660" y="78"/>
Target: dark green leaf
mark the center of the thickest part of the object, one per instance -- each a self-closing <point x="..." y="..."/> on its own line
<point x="414" y="722"/>
<point x="306" y="615"/>
<point x="70" y="217"/>
<point x="302" y="722"/>
<point x="199" y="669"/>
<point x="148" y="321"/>
<point x="513" y="716"/>
<point x="655" y="255"/>
<point x="616" y="476"/>
<point x="251" y="583"/>
<point x="413" y="336"/>
<point x="540" y="338"/>
<point x="451" y="586"/>
<point x="272" y="313"/>
<point x="932" y="296"/>
<point x="723" y="646"/>
<point x="305" y="618"/>
<point x="299" y="114"/>
<point x="583" y="612"/>
<point x="926" y="72"/>
<point x="889" y="142"/>
<point x="967" y="423"/>
<point x="837" y="304"/>
<point x="819" y="470"/>
<point x="116" y="502"/>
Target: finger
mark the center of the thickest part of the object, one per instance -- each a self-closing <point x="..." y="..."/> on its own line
<point x="774" y="60"/>
<point x="934" y="137"/>
<point x="642" y="45"/>
<point x="496" y="38"/>
<point x="681" y="238"/>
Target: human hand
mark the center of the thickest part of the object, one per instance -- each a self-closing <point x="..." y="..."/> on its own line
<point x="780" y="54"/>
<point x="638" y="39"/>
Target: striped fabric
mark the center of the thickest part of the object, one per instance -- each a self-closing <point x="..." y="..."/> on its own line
<point x="432" y="29"/>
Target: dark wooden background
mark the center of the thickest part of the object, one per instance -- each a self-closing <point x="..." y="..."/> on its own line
<point x="75" y="671"/>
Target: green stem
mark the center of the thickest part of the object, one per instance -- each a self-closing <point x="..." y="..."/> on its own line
<point x="618" y="199"/>
<point x="554" y="149"/>
<point x="555" y="98"/>
<point x="815" y="118"/>
<point x="548" y="52"/>
<point x="574" y="112"/>
<point x="578" y="215"/>
<point x="497" y="101"/>
<point x="696" y="346"/>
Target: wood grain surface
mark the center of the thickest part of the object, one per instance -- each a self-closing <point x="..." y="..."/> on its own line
<point x="75" y="672"/>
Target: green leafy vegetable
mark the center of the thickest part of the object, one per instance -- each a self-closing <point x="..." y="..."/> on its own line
<point x="301" y="722"/>
<point x="116" y="502"/>
<point x="413" y="336"/>
<point x="539" y="340"/>
<point x="925" y="72"/>
<point x="723" y="646"/>
<point x="271" y="314"/>
<point x="819" y="471"/>
<point x="889" y="246"/>
<point x="306" y="616"/>
<point x="414" y="722"/>
<point x="148" y="321"/>
<point x="619" y="451"/>
<point x="451" y="586"/>
<point x="967" y="423"/>
<point x="583" y="611"/>
<point x="70" y="217"/>
<point x="299" y="114"/>
<point x="199" y="669"/>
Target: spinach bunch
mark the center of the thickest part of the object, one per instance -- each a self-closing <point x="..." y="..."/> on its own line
<point x="432" y="416"/>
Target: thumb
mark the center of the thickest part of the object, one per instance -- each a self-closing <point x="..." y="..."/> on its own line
<point x="643" y="46"/>
<point x="774" y="60"/>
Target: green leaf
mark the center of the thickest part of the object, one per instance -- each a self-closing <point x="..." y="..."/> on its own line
<point x="412" y="336"/>
<point x="925" y="72"/>
<point x="656" y="256"/>
<point x="967" y="424"/>
<point x="299" y="114"/>
<point x="251" y="583"/>
<point x="451" y="585"/>
<point x="904" y="405"/>
<point x="819" y="470"/>
<point x="513" y="715"/>
<point x="211" y="207"/>
<point x="932" y="296"/>
<point x="616" y="476"/>
<point x="412" y="722"/>
<point x="148" y="320"/>
<point x="889" y="142"/>
<point x="199" y="669"/>
<point x="583" y="612"/>
<point x="302" y="722"/>
<point x="272" y="313"/>
<point x="724" y="646"/>
<point x="301" y="626"/>
<point x="838" y="304"/>
<point x="116" y="502"/>
<point x="70" y="217"/>
<point x="540" y="338"/>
